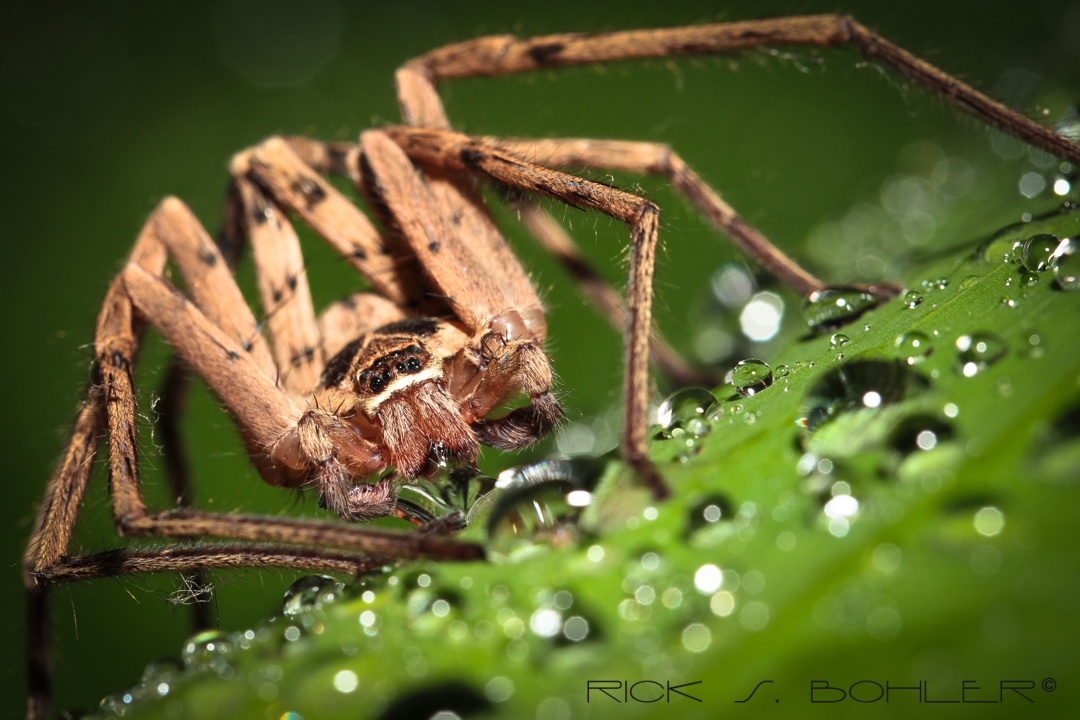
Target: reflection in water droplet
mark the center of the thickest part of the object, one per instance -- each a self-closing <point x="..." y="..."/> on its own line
<point x="311" y="592"/>
<point x="912" y="299"/>
<point x="838" y="340"/>
<point x="781" y="371"/>
<point x="913" y="347"/>
<point x="751" y="376"/>
<point x="686" y="410"/>
<point x="1037" y="253"/>
<point x="830" y="308"/>
<point x="535" y="504"/>
<point x="1067" y="270"/>
<point x="978" y="351"/>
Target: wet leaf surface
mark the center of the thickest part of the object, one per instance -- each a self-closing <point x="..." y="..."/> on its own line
<point x="896" y="507"/>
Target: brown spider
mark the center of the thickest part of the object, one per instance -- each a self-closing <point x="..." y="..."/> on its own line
<point x="406" y="376"/>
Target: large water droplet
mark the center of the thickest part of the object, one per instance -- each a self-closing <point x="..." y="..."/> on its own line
<point x="540" y="504"/>
<point x="1037" y="253"/>
<point x="455" y="489"/>
<point x="310" y="593"/>
<point x="751" y="376"/>
<point x="968" y="281"/>
<point x="1067" y="269"/>
<point x="830" y="308"/>
<point x="913" y="347"/>
<point x="863" y="384"/>
<point x="686" y="410"/>
<point x="978" y="351"/>
<point x="838" y="340"/>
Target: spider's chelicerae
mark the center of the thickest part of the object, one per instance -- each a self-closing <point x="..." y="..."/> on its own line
<point x="405" y="376"/>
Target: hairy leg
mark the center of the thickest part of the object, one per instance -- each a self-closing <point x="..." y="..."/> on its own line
<point x="462" y="154"/>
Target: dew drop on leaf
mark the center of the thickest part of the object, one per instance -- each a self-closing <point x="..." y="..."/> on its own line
<point x="1038" y="252"/>
<point x="686" y="410"/>
<point x="831" y="308"/>
<point x="311" y="592"/>
<point x="913" y="347"/>
<point x="751" y="376"/>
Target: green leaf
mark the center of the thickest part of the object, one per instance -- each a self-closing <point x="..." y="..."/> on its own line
<point x="885" y="511"/>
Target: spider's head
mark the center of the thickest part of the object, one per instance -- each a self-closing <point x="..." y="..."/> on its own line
<point x="401" y="393"/>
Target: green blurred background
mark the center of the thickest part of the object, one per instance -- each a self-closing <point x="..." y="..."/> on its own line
<point x="107" y="107"/>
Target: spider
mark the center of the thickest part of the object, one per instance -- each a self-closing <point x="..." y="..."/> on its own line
<point x="403" y="378"/>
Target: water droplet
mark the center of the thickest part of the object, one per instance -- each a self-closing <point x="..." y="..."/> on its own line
<point x="781" y="371"/>
<point x="751" y="376"/>
<point x="208" y="650"/>
<point x="1037" y="253"/>
<point x="539" y="504"/>
<point x="858" y="385"/>
<point x="453" y="489"/>
<point x="968" y="281"/>
<point x="912" y="299"/>
<point x="686" y="410"/>
<point x="1067" y="270"/>
<point x="311" y="592"/>
<point x="913" y="347"/>
<point x="938" y="284"/>
<point x="920" y="432"/>
<point x="710" y="511"/>
<point x="838" y="340"/>
<point x="831" y="308"/>
<point x="978" y="351"/>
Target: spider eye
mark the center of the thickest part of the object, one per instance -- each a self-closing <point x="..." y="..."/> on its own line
<point x="412" y="365"/>
<point x="379" y="381"/>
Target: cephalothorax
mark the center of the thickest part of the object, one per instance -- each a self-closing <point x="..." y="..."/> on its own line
<point x="386" y="385"/>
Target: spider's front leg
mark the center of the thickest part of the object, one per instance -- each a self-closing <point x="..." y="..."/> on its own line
<point x="500" y="310"/>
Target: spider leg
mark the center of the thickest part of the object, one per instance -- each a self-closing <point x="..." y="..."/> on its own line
<point x="284" y="176"/>
<point x="195" y="557"/>
<point x="283" y="288"/>
<point x="506" y="54"/>
<point x="607" y="299"/>
<point x="462" y="154"/>
<point x="659" y="159"/>
<point x="49" y="542"/>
